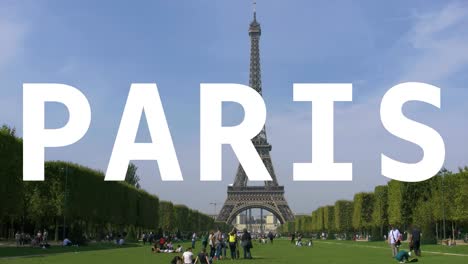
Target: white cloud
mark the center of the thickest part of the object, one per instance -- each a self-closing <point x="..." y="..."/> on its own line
<point x="11" y="39"/>
<point x="440" y="40"/>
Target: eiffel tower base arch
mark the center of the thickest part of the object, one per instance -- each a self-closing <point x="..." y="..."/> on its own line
<point x="240" y="199"/>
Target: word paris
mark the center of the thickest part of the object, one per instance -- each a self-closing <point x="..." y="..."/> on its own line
<point x="145" y="97"/>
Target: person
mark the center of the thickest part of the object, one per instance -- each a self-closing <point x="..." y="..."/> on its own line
<point x="223" y="244"/>
<point x="179" y="249"/>
<point x="299" y="240"/>
<point x="45" y="236"/>
<point x="18" y="238"/>
<point x="404" y="256"/>
<point x="66" y="242"/>
<point x="144" y="238"/>
<point x="169" y="245"/>
<point x="177" y="260"/>
<point x="271" y="237"/>
<point x="211" y="241"/>
<point x="293" y="238"/>
<point x="218" y="244"/>
<point x="188" y="256"/>
<point x="232" y="239"/>
<point x="162" y="242"/>
<point x="237" y="247"/>
<point x="39" y="237"/>
<point x="155" y="247"/>
<point x="202" y="257"/>
<point x="394" y="240"/>
<point x="246" y="244"/>
<point x="415" y="241"/>
<point x="205" y="240"/>
<point x="194" y="239"/>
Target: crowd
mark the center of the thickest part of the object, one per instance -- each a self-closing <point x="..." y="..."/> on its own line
<point x="394" y="240"/>
<point x="38" y="240"/>
<point x="214" y="246"/>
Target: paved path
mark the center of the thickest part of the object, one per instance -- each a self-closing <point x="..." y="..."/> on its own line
<point x="367" y="246"/>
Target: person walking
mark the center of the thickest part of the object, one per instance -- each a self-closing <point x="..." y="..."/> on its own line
<point x="223" y="244"/>
<point x="18" y="238"/>
<point x="211" y="241"/>
<point x="246" y="244"/>
<point x="218" y="244"/>
<point x="271" y="237"/>
<point x="204" y="240"/>
<point x="194" y="239"/>
<point x="293" y="238"/>
<point x="394" y="240"/>
<point x="416" y="241"/>
<point x="233" y="243"/>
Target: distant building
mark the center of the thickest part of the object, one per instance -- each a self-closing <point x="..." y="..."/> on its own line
<point x="269" y="222"/>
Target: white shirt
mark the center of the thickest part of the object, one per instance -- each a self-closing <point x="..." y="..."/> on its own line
<point x="393" y="235"/>
<point x="187" y="257"/>
<point x="210" y="238"/>
<point x="66" y="241"/>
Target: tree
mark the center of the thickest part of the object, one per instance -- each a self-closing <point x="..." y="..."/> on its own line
<point x="132" y="177"/>
<point x="343" y="216"/>
<point x="379" y="212"/>
<point x="329" y="218"/>
<point x="362" y="213"/>
<point x="78" y="199"/>
<point x="8" y="130"/>
<point x="166" y="216"/>
<point x="395" y="201"/>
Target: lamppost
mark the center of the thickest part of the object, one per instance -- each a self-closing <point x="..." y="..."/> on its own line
<point x="65" y="200"/>
<point x="214" y="204"/>
<point x="443" y="202"/>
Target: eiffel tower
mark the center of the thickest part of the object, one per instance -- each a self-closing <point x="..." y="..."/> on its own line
<point x="270" y="197"/>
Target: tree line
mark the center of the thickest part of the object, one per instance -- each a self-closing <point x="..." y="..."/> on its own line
<point x="438" y="206"/>
<point x="75" y="200"/>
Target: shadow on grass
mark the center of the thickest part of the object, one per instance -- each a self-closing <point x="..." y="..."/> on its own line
<point x="27" y="251"/>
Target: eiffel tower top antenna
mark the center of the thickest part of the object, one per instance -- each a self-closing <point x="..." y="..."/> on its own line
<point x="255" y="9"/>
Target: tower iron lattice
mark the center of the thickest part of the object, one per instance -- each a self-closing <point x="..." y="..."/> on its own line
<point x="270" y="196"/>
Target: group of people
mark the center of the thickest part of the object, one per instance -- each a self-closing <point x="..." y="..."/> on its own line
<point x="214" y="247"/>
<point x="299" y="242"/>
<point x="262" y="239"/>
<point x="39" y="240"/>
<point x="219" y="242"/>
<point x="165" y="245"/>
<point x="394" y="240"/>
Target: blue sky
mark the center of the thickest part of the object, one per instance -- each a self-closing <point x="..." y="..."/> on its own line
<point x="101" y="47"/>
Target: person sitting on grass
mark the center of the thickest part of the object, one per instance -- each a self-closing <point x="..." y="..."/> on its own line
<point x="404" y="256"/>
<point x="179" y="249"/>
<point x="187" y="257"/>
<point x="155" y="247"/>
<point x="169" y="245"/>
<point x="177" y="260"/>
<point x="158" y="250"/>
<point x="203" y="258"/>
<point x="66" y="242"/>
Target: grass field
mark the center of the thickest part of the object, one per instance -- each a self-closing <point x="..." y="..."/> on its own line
<point x="279" y="252"/>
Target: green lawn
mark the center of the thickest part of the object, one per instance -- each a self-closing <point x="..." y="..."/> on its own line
<point x="280" y="252"/>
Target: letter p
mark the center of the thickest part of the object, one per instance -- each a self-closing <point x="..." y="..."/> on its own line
<point x="35" y="137"/>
